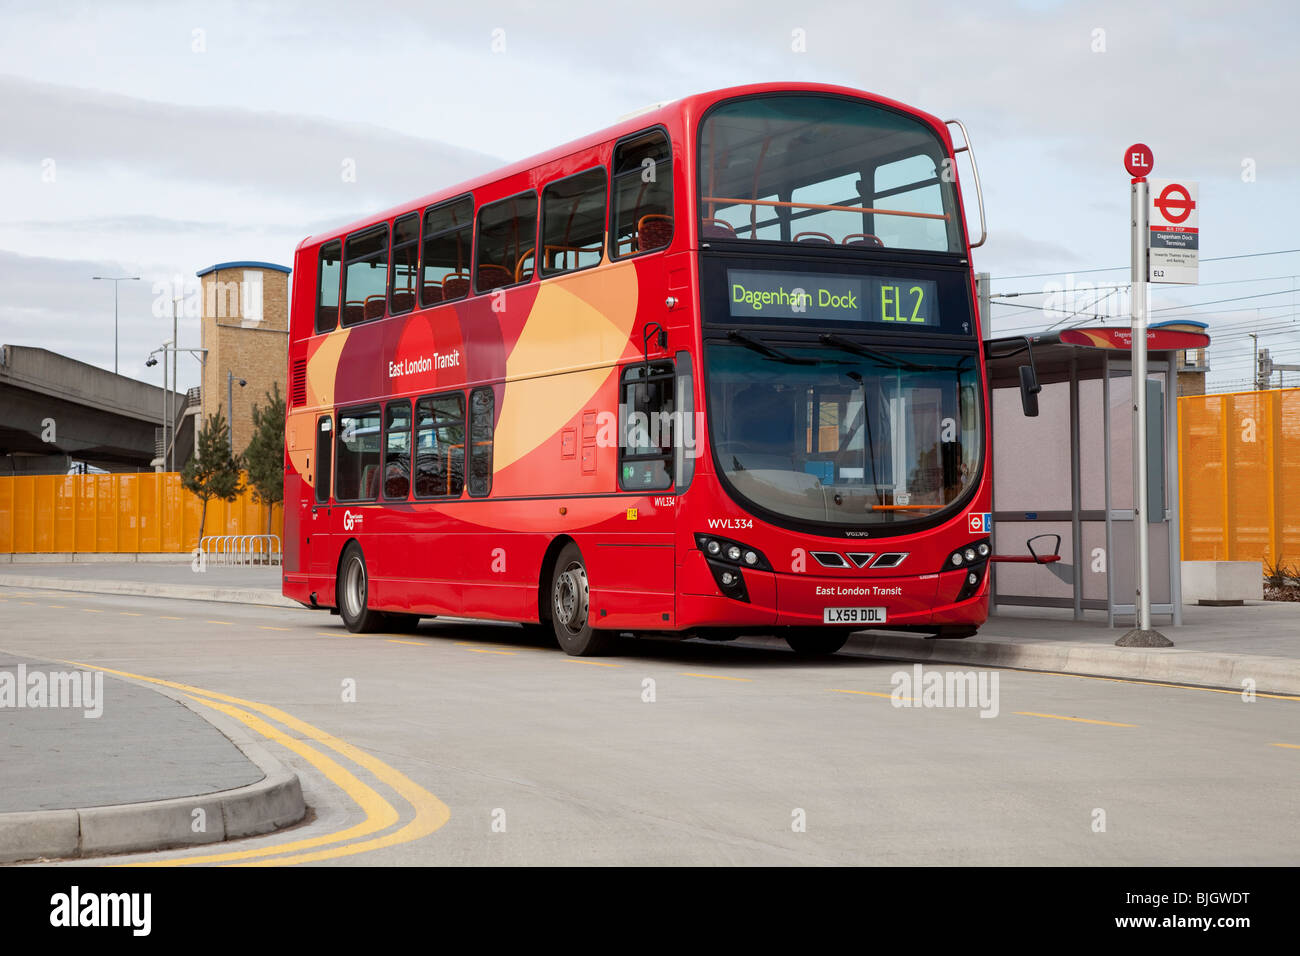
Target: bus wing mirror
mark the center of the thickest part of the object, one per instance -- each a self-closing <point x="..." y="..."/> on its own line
<point x="1029" y="389"/>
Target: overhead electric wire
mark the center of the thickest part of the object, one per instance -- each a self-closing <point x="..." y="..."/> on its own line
<point x="1039" y="275"/>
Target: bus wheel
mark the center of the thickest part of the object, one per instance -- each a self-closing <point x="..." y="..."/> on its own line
<point x="954" y="632"/>
<point x="815" y="642"/>
<point x="571" y="607"/>
<point x="354" y="592"/>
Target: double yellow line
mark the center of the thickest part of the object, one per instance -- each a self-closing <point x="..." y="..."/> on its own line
<point x="429" y="813"/>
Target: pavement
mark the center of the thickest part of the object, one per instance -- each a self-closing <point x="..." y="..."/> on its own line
<point x="140" y="765"/>
<point x="477" y="744"/>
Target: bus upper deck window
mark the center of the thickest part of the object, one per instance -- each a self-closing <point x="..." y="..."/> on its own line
<point x="643" y="194"/>
<point x="327" y="286"/>
<point x="573" y="222"/>
<point x="507" y="239"/>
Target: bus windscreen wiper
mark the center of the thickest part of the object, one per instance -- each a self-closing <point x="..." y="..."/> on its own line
<point x="758" y="345"/>
<point x="828" y="338"/>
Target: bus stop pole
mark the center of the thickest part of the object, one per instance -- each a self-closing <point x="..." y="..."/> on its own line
<point x="1143" y="634"/>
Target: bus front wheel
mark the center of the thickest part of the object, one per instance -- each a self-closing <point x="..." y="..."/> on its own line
<point x="571" y="607"/>
<point x="815" y="642"/>
<point x="354" y="593"/>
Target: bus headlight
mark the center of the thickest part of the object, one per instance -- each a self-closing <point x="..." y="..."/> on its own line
<point x="731" y="552"/>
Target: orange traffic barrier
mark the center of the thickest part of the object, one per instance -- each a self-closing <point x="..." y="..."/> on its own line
<point x="117" y="513"/>
<point x="1239" y="468"/>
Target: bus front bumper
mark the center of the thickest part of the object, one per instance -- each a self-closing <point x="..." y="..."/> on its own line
<point x="802" y="600"/>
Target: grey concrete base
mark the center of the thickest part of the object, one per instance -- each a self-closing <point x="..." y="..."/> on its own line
<point x="185" y="592"/>
<point x="1222" y="581"/>
<point x="1276" y="675"/>
<point x="1140" y="637"/>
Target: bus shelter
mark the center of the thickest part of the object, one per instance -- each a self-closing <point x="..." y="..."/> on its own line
<point x="1069" y="470"/>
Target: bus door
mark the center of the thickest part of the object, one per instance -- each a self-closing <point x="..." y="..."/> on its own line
<point x="315" y="516"/>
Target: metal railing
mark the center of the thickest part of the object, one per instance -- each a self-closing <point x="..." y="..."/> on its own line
<point x="242" y="549"/>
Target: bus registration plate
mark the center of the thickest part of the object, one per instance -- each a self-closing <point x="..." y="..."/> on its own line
<point x="853" y="615"/>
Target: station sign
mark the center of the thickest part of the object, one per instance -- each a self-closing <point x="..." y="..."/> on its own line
<point x="1158" y="340"/>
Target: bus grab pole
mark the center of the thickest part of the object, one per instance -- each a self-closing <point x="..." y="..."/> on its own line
<point x="1143" y="634"/>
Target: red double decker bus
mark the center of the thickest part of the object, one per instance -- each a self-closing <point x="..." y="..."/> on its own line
<point x="714" y="371"/>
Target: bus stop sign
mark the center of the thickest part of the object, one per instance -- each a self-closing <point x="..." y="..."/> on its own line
<point x="1139" y="161"/>
<point x="1173" y="230"/>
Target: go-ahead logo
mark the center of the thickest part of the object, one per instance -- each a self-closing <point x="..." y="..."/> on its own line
<point x="351" y="521"/>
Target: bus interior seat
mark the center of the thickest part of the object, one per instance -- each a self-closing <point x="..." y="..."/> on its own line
<point x="455" y="285"/>
<point x="653" y="232"/>
<point x="716" y="229"/>
<point x="816" y="238"/>
<point x="862" y="239"/>
<point x="353" y="312"/>
<point x="396" y="481"/>
<point x="374" y="307"/>
<point x="525" y="260"/>
<point x="403" y="300"/>
<point x="430" y="293"/>
<point x="492" y="276"/>
<point x="369" y="482"/>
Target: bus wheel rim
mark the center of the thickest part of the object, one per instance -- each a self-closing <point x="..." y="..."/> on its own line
<point x="571" y="598"/>
<point x="356" y="583"/>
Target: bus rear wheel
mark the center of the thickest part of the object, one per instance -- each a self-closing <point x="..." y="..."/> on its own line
<point x="354" y="593"/>
<point x="571" y="607"/>
<point x="815" y="642"/>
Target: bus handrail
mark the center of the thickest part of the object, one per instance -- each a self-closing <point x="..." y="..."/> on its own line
<point x="814" y="205"/>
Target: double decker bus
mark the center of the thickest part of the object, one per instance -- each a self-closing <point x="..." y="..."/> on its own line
<point x="714" y="371"/>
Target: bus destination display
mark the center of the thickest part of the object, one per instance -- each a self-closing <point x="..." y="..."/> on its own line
<point x="802" y="296"/>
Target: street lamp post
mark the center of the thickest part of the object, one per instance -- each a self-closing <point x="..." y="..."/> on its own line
<point x="151" y="361"/>
<point x="115" y="280"/>
<point x="169" y="394"/>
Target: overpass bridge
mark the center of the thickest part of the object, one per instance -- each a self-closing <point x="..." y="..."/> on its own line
<point x="55" y="410"/>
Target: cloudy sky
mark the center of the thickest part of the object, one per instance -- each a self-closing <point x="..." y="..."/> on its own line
<point x="154" y="139"/>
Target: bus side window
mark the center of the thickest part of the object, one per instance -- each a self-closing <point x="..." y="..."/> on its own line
<point x="357" y="455"/>
<point x="647" y="440"/>
<point x="505" y="252"/>
<point x="365" y="276"/>
<point x="481" y="427"/>
<point x="397" y="450"/>
<point x="440" y="446"/>
<point x="324" y="458"/>
<point x="573" y="222"/>
<point x="328" y="269"/>
<point x="643" y="194"/>
<point x="448" y="232"/>
<point x="402" y="271"/>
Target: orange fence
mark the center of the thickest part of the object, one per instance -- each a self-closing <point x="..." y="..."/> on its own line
<point x="1239" y="467"/>
<point x="117" y="513"/>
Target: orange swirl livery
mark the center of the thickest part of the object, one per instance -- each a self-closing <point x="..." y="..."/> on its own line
<point x="534" y="397"/>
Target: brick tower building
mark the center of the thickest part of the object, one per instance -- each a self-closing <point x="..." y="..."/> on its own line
<point x="245" y="328"/>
